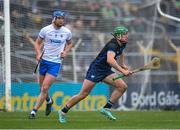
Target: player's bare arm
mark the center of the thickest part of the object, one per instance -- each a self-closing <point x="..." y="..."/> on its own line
<point x="37" y="47"/>
<point x="68" y="47"/>
<point x="122" y="60"/>
<point x="114" y="64"/>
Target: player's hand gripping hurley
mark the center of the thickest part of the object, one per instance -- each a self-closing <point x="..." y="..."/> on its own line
<point x="153" y="64"/>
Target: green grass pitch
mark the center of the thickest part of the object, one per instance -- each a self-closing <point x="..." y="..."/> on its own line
<point x="93" y="120"/>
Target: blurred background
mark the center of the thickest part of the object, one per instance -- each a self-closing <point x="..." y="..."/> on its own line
<point x="154" y="29"/>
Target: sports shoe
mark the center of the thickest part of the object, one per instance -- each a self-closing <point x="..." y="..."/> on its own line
<point x="48" y="107"/>
<point x="32" y="115"/>
<point x="62" y="118"/>
<point x="107" y="113"/>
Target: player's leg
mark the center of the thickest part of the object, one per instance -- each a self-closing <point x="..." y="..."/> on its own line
<point x="43" y="69"/>
<point x="42" y="72"/>
<point x="48" y="98"/>
<point x="41" y="79"/>
<point x="120" y="88"/>
<point x="48" y="80"/>
<point x="33" y="112"/>
<point x="86" y="89"/>
<point x="53" y="70"/>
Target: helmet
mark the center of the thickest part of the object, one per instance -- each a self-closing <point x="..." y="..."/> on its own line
<point x="120" y="30"/>
<point x="58" y="13"/>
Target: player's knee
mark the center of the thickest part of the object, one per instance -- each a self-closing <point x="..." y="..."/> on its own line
<point x="44" y="88"/>
<point x="122" y="87"/>
<point x="125" y="86"/>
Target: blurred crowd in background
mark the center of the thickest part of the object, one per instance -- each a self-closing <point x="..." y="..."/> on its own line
<point x="94" y="16"/>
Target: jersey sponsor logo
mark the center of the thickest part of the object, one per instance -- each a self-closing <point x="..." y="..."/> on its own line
<point x="56" y="41"/>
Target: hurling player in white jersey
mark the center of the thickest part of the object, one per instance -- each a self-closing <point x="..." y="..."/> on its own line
<point x="57" y="43"/>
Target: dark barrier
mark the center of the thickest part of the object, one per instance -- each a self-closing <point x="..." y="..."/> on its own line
<point x="160" y="96"/>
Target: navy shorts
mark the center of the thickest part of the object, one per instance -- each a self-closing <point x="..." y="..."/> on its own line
<point x="97" y="74"/>
<point x="49" y="67"/>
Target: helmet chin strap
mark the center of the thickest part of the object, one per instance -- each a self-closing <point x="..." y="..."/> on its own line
<point x="115" y="37"/>
<point x="119" y="41"/>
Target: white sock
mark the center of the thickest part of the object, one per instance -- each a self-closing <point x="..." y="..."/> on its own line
<point x="49" y="101"/>
<point x="33" y="112"/>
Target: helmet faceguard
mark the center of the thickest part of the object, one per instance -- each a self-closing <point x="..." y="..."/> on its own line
<point x="119" y="31"/>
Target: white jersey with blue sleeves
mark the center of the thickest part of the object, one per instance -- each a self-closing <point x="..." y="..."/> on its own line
<point x="54" y="42"/>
